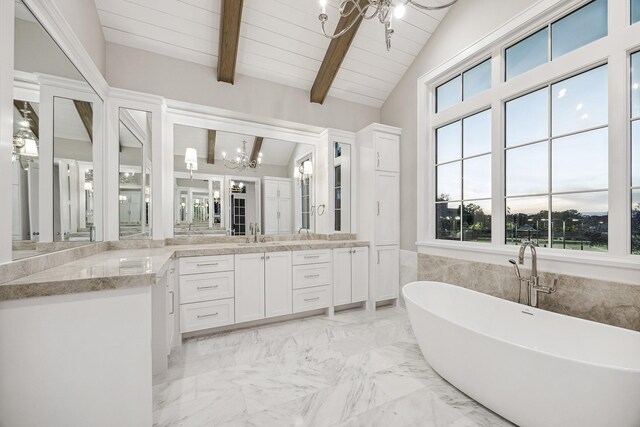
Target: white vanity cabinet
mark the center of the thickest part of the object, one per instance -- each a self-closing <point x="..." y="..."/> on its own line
<point x="277" y="206"/>
<point x="350" y="275"/>
<point x="312" y="280"/>
<point x="278" y="284"/>
<point x="249" y="278"/>
<point x="171" y="307"/>
<point x="387" y="152"/>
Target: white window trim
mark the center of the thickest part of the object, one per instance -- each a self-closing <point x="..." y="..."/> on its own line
<point x="618" y="264"/>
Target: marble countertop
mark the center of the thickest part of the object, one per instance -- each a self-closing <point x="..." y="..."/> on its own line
<point x="131" y="268"/>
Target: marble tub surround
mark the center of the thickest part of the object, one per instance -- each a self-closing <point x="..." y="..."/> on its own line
<point x="127" y="268"/>
<point x="24" y="267"/>
<point x="357" y="368"/>
<point x="611" y="303"/>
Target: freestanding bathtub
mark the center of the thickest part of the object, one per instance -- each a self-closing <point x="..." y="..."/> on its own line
<point x="533" y="367"/>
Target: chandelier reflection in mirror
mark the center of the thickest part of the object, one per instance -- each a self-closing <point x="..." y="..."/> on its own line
<point x="384" y="10"/>
<point x="303" y="172"/>
<point x="242" y="161"/>
<point x="25" y="142"/>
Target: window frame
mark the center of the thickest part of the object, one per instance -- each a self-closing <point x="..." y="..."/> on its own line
<point x="614" y="49"/>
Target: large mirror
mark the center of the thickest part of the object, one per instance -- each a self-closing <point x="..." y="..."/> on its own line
<point x="55" y="143"/>
<point x="342" y="187"/>
<point x="135" y="174"/>
<point x="232" y="184"/>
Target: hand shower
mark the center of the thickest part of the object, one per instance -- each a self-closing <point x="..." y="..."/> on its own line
<point x="518" y="276"/>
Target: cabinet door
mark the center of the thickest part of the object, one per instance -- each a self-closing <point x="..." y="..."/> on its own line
<point x="359" y="274"/>
<point x="387" y="272"/>
<point x="277" y="284"/>
<point x="270" y="210"/>
<point x="284" y="190"/>
<point x="387" y="152"/>
<point x="171" y="307"/>
<point x="284" y="224"/>
<point x="341" y="276"/>
<point x="271" y="189"/>
<point x="387" y="209"/>
<point x="249" y="284"/>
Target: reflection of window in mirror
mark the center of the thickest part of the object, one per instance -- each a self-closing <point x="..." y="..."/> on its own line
<point x="342" y="187"/>
<point x="303" y="177"/>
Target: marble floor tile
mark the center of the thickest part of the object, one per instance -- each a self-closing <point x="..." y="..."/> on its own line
<point x="357" y="368"/>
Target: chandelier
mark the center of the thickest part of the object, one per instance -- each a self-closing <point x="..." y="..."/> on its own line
<point x="24" y="141"/>
<point x="242" y="161"/>
<point x="384" y="10"/>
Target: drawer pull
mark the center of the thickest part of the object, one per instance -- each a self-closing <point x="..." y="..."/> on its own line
<point x="311" y="299"/>
<point x="207" y="264"/>
<point x="310" y="276"/>
<point x="207" y="315"/>
<point x="311" y="256"/>
<point x="207" y="287"/>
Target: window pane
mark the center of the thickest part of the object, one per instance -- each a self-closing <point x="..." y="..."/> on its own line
<point x="635" y="84"/>
<point x="527" y="170"/>
<point x="449" y="94"/>
<point x="477" y="178"/>
<point x="635" y="11"/>
<point x="580" y="102"/>
<point x="635" y="222"/>
<point x="581" y="27"/>
<point x="477" y="79"/>
<point x="528" y="53"/>
<point x="527" y="118"/>
<point x="449" y="182"/>
<point x="527" y="219"/>
<point x="580" y="221"/>
<point x="476" y="221"/>
<point x="635" y="154"/>
<point x="477" y="134"/>
<point x="580" y="162"/>
<point x="449" y="142"/>
<point x="448" y="221"/>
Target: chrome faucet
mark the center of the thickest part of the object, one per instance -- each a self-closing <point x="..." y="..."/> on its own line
<point x="533" y="280"/>
<point x="303" y="228"/>
<point x="254" y="230"/>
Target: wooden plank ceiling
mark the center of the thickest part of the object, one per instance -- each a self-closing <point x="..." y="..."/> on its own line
<point x="280" y="41"/>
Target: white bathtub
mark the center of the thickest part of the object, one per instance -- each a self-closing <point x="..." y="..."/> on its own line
<point x="536" y="369"/>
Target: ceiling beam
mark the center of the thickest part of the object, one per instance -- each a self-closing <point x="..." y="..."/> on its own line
<point x="85" y="111"/>
<point x="335" y="54"/>
<point x="211" y="146"/>
<point x="257" y="146"/>
<point x="230" y="19"/>
<point x="34" y="122"/>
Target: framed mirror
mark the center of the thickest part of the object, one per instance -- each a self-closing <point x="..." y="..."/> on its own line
<point x="342" y="187"/>
<point x="251" y="180"/>
<point x="134" y="177"/>
<point x="56" y="188"/>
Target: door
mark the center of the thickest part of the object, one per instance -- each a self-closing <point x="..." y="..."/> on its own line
<point x="249" y="284"/>
<point x="277" y="284"/>
<point x="238" y="215"/>
<point x="387" y="272"/>
<point x="342" y="276"/>
<point x="387" y="209"/>
<point x="359" y="274"/>
<point x="284" y="211"/>
<point x="387" y="152"/>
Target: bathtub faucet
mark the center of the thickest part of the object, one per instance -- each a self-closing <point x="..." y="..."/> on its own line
<point x="533" y="281"/>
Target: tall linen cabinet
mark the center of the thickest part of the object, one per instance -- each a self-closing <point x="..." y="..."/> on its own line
<point x="379" y="208"/>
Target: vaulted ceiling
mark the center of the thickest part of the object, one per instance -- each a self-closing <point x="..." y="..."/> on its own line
<point x="280" y="41"/>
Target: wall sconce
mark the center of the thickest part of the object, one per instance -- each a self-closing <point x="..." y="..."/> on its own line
<point x="216" y="196"/>
<point x="122" y="199"/>
<point x="303" y="172"/>
<point x="191" y="160"/>
<point x="237" y="187"/>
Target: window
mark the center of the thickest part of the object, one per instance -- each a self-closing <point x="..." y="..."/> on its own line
<point x="635" y="154"/>
<point x="463" y="170"/>
<point x="556" y="157"/>
<point x="464" y="86"/>
<point x="577" y="29"/>
<point x="635" y="11"/>
<point x="337" y="192"/>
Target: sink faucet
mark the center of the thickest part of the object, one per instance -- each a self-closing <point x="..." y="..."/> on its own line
<point x="532" y="281"/>
<point x="254" y="230"/>
<point x="303" y="228"/>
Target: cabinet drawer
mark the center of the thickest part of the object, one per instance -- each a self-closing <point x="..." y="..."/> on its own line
<point x="204" y="315"/>
<point x="311" y="257"/>
<point x="311" y="298"/>
<point x="206" y="287"/>
<point x="307" y="276"/>
<point x="206" y="264"/>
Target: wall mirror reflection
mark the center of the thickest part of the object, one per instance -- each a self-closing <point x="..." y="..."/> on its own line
<point x="54" y="183"/>
<point x="342" y="187"/>
<point x="135" y="174"/>
<point x="231" y="183"/>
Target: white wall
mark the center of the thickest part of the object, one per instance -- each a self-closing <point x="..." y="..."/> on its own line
<point x="82" y="17"/>
<point x="143" y="71"/>
<point x="466" y="22"/>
